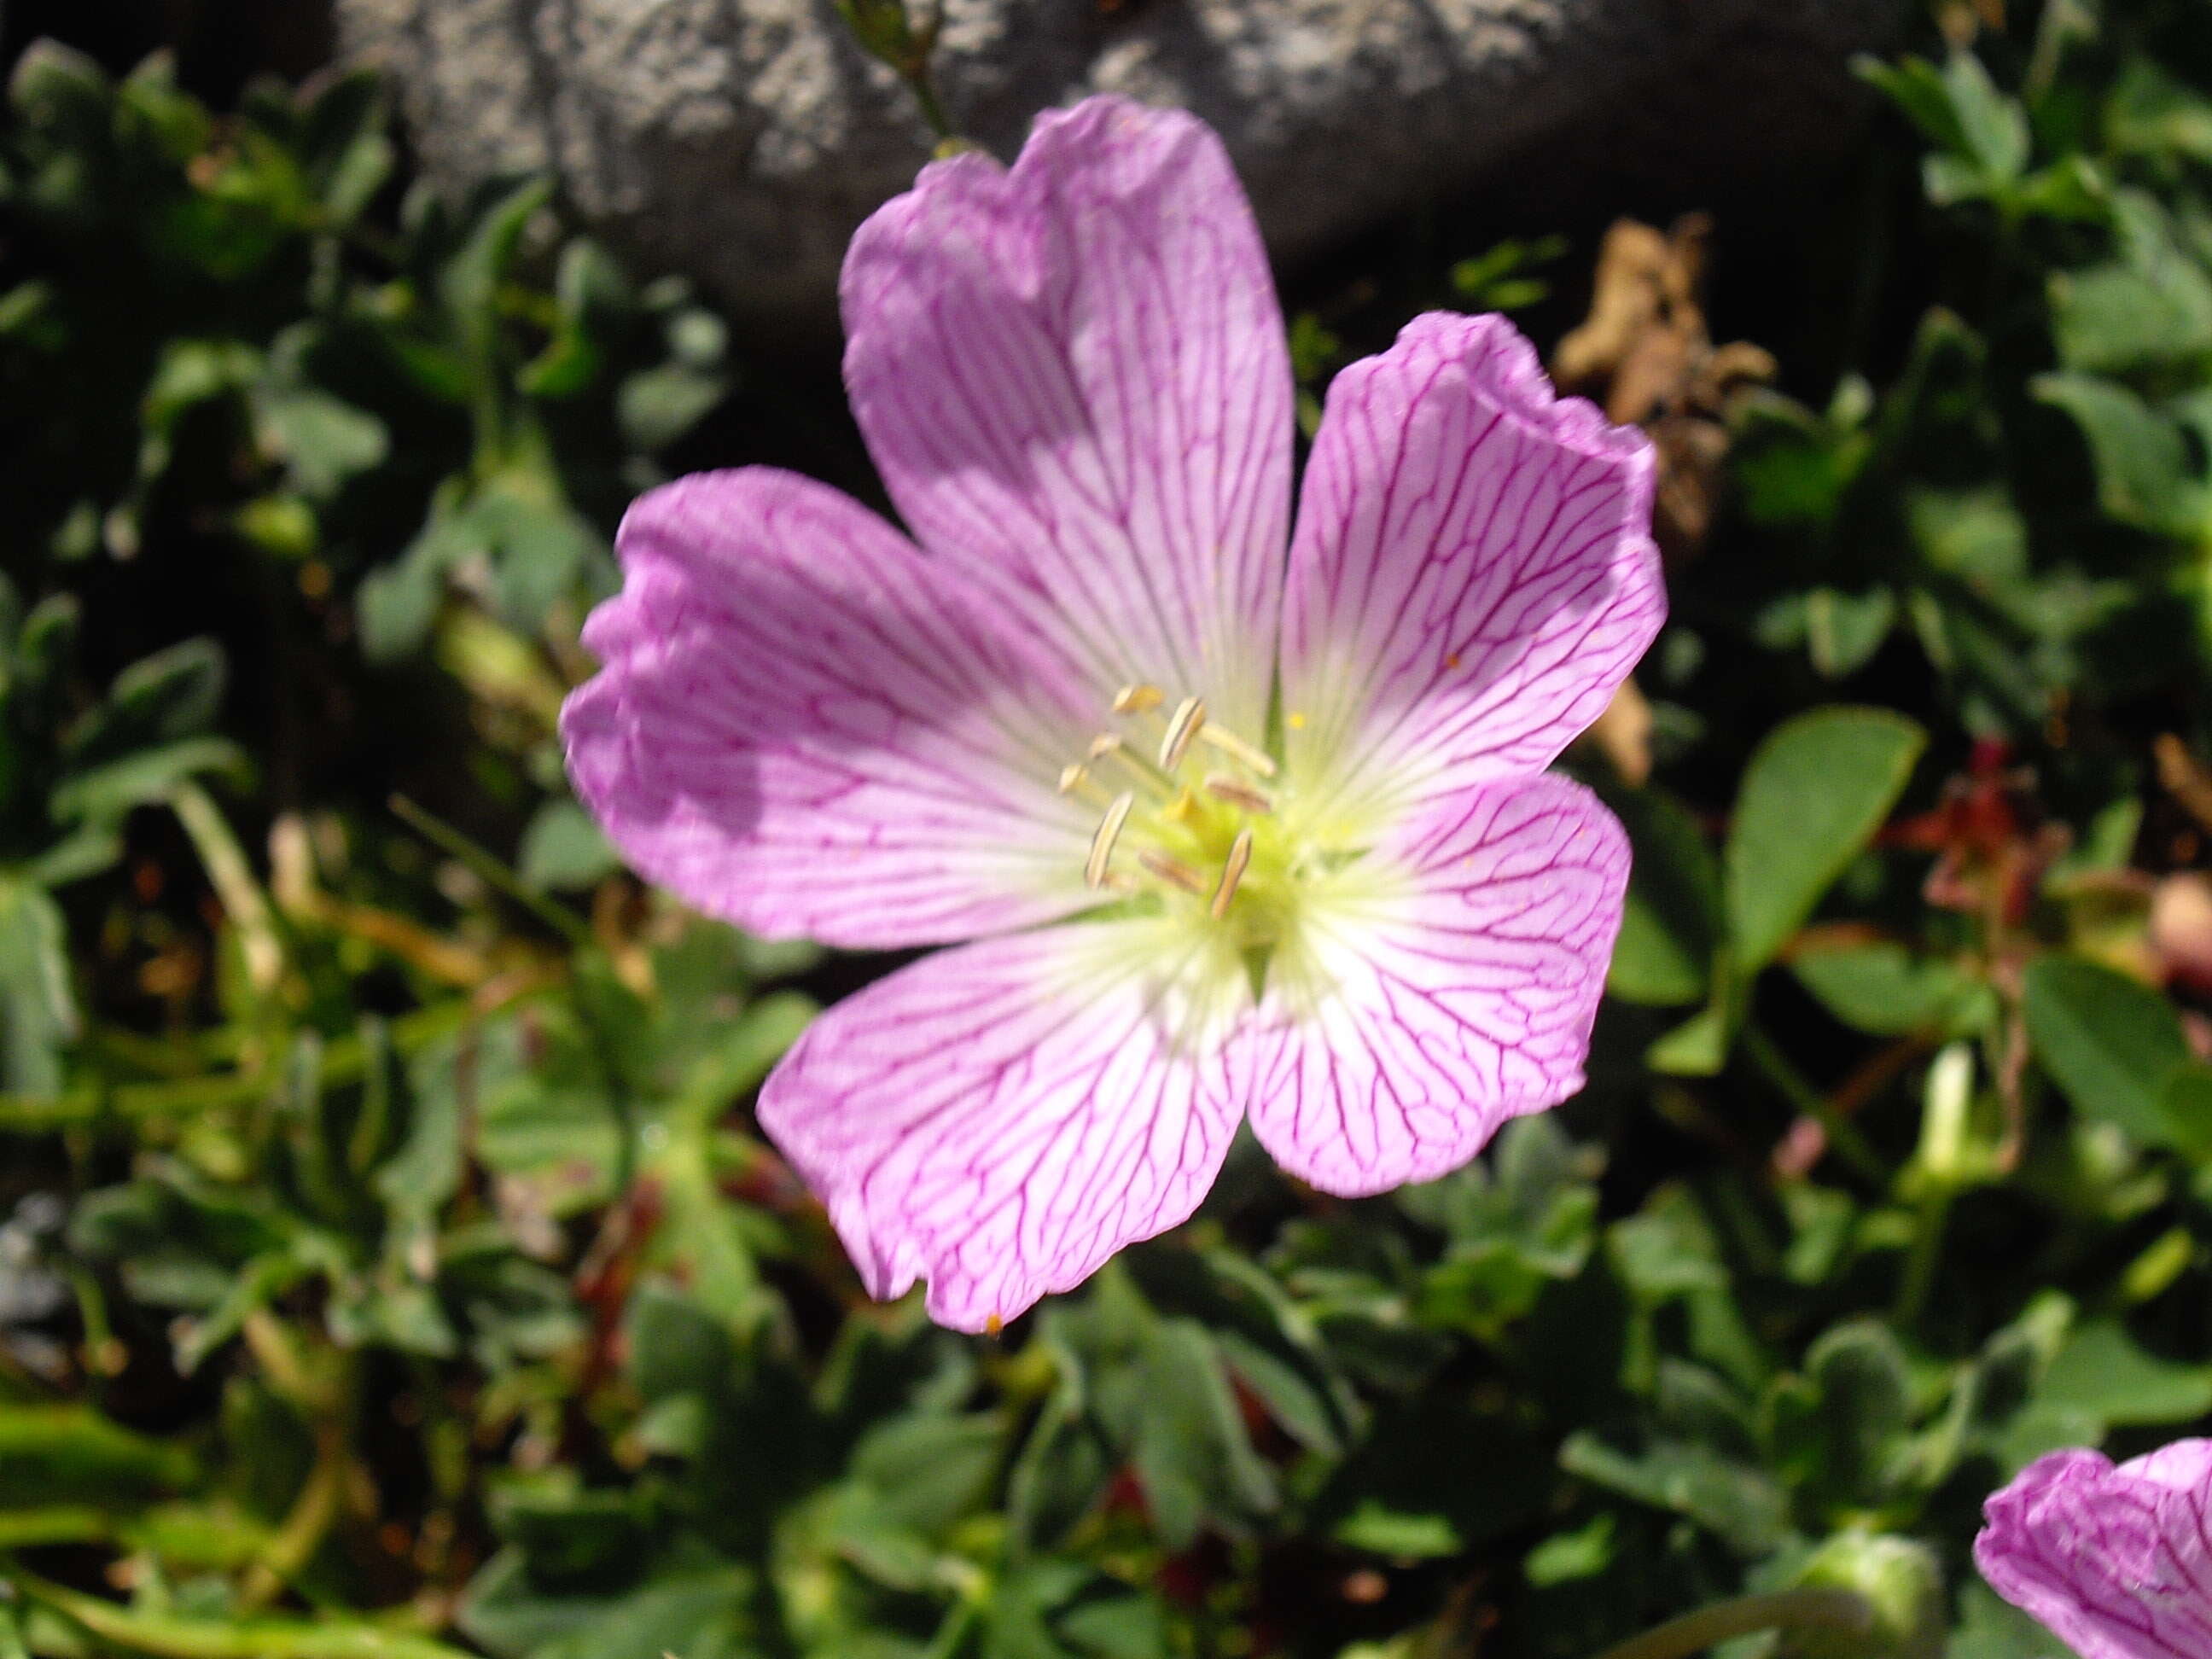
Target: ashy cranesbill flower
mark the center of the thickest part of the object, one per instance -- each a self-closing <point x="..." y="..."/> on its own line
<point x="1241" y="824"/>
<point x="2116" y="1563"/>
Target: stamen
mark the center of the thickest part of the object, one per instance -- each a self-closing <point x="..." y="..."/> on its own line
<point x="1189" y="720"/>
<point x="1107" y="746"/>
<point x="1138" y="699"/>
<point x="1238" y="792"/>
<point x="1102" y="841"/>
<point x="1252" y="759"/>
<point x="1071" y="778"/>
<point x="1239" y="859"/>
<point x="1172" y="870"/>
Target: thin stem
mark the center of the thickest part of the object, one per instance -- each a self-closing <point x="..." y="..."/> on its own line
<point x="1797" y="1609"/>
<point x="1926" y="1255"/>
<point x="344" y="1059"/>
<point x="952" y="1635"/>
<point x="932" y="112"/>
<point x="313" y="1513"/>
<point x="1843" y="1134"/>
<point x="173" y="1637"/>
<point x="488" y="869"/>
<point x="232" y="874"/>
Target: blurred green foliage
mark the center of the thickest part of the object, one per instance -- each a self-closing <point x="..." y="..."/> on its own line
<point x="390" y="1265"/>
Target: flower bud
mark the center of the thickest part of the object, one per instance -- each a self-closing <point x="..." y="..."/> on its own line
<point x="1900" y="1580"/>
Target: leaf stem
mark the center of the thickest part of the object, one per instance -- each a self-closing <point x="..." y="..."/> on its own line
<point x="172" y="1638"/>
<point x="343" y="1061"/>
<point x="1693" y="1632"/>
<point x="1925" y="1256"/>
<point x="490" y="870"/>
<point x="1842" y="1133"/>
<point x="232" y="875"/>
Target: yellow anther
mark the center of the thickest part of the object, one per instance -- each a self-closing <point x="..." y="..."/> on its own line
<point x="1239" y="859"/>
<point x="1138" y="699"/>
<point x="1174" y="871"/>
<point x="1103" y="744"/>
<point x="1239" y="793"/>
<point x="1295" y="720"/>
<point x="1228" y="743"/>
<point x="1189" y="720"/>
<point x="1072" y="777"/>
<point x="1179" y="810"/>
<point x="1103" y="840"/>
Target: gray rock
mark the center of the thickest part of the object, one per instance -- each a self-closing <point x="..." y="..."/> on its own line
<point x="742" y="140"/>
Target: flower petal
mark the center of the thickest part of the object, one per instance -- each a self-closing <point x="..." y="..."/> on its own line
<point x="1473" y="573"/>
<point x="2182" y="1466"/>
<point x="1409" y="1021"/>
<point x="1074" y="378"/>
<point x="2116" y="1562"/>
<point x="1000" y="1118"/>
<point x="803" y="728"/>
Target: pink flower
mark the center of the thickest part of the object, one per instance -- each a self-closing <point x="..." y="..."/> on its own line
<point x="1240" y="823"/>
<point x="2116" y="1562"/>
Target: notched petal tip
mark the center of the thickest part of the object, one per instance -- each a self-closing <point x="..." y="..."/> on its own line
<point x="1473" y="573"/>
<point x="1506" y="369"/>
<point x="1457" y="998"/>
<point x="798" y="728"/>
<point x="1000" y="1118"/>
<point x="1074" y="378"/>
<point x="2116" y="1562"/>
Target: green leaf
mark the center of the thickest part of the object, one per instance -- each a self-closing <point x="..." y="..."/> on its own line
<point x="2185" y="1103"/>
<point x="1992" y="127"/>
<point x="72" y="1454"/>
<point x="397" y="605"/>
<point x="2151" y="112"/>
<point x="657" y="407"/>
<point x="690" y="1609"/>
<point x="1739" y="1503"/>
<point x="565" y="849"/>
<point x="1192" y="1451"/>
<point x="1436" y="1476"/>
<point x="2143" y="473"/>
<point x="38" y="1008"/>
<point x="2104" y="1373"/>
<point x="1843" y="631"/>
<point x="107" y="792"/>
<point x="171" y="694"/>
<point x="2154" y="307"/>
<point x="1813" y="795"/>
<point x="1670" y="924"/>
<point x="1841" y="1431"/>
<point x="927" y="1472"/>
<point x="2110" y="1042"/>
<point x="346" y="152"/>
<point x="469" y="282"/>
<point x="1885" y="989"/>
<point x="322" y="439"/>
<point x="1698" y="1047"/>
<point x="1917" y="87"/>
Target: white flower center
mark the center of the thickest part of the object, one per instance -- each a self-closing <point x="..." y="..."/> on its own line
<point x="1192" y="818"/>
